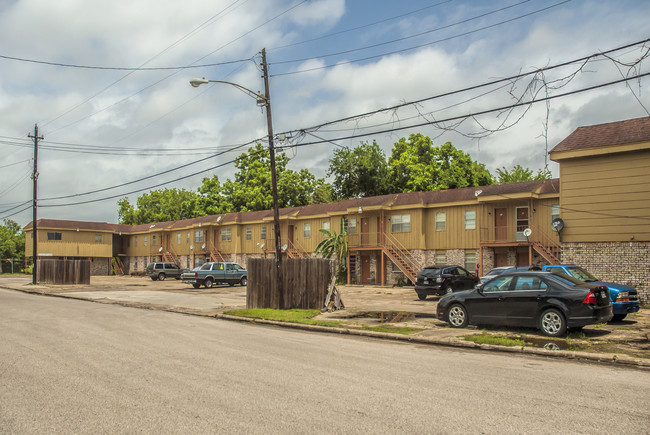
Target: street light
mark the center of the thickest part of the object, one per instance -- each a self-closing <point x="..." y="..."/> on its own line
<point x="263" y="100"/>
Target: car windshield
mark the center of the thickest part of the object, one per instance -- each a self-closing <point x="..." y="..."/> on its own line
<point x="581" y="274"/>
<point x="430" y="272"/>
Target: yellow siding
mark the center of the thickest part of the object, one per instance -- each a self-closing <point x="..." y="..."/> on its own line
<point x="72" y="244"/>
<point x="455" y="236"/>
<point x="606" y="198"/>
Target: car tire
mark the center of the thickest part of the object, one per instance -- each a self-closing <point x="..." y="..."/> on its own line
<point x="552" y="323"/>
<point x="161" y="277"/>
<point x="207" y="283"/>
<point x="422" y="296"/>
<point x="243" y="282"/>
<point x="618" y="317"/>
<point x="196" y="285"/>
<point x="154" y="278"/>
<point x="231" y="284"/>
<point x="457" y="316"/>
<point x="448" y="289"/>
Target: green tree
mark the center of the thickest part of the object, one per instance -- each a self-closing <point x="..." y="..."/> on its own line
<point x="210" y="200"/>
<point x="519" y="173"/>
<point x="416" y="165"/>
<point x="359" y="172"/>
<point x="158" y="206"/>
<point x="12" y="241"/>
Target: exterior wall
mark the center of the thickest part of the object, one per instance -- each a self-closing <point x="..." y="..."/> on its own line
<point x="72" y="244"/>
<point x="454" y="235"/>
<point x="597" y="191"/>
<point x="100" y="266"/>
<point x="620" y="262"/>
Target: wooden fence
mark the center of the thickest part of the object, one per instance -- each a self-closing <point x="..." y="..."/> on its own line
<point x="63" y="271"/>
<point x="305" y="283"/>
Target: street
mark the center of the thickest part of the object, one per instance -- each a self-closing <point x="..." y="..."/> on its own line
<point x="70" y="366"/>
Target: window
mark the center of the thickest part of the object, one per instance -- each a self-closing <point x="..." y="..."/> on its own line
<point x="226" y="235"/>
<point x="178" y="239"/>
<point x="470" y="219"/>
<point x="555" y="211"/>
<point x="441" y="221"/>
<point x="306" y="231"/>
<point x="470" y="261"/>
<point x="498" y="284"/>
<point x="401" y="223"/>
<point x="153" y="240"/>
<point x="187" y="240"/>
<point x="249" y="233"/>
<point x="263" y="233"/>
<point x="135" y="242"/>
<point x="146" y="240"/>
<point x="198" y="236"/>
<point x="325" y="226"/>
<point x="529" y="283"/>
<point x="351" y="225"/>
<point x="441" y="259"/>
<point x="54" y="236"/>
<point x="98" y="238"/>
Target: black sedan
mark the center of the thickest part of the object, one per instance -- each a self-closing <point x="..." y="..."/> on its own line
<point x="529" y="299"/>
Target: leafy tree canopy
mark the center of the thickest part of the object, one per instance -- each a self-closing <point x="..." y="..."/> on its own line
<point x="158" y="206"/>
<point x="359" y="172"/>
<point x="12" y="240"/>
<point x="519" y="173"/>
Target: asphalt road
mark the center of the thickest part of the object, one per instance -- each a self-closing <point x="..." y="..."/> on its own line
<point x="69" y="366"/>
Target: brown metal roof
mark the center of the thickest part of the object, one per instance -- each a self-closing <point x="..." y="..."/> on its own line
<point x="400" y="199"/>
<point x="601" y="135"/>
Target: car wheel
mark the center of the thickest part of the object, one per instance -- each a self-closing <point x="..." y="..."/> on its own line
<point x="161" y="277"/>
<point x="208" y="283"/>
<point x="448" y="289"/>
<point x="618" y="317"/>
<point x="196" y="285"/>
<point x="457" y="316"/>
<point x="422" y="296"/>
<point x="552" y="323"/>
<point x="231" y="284"/>
<point x="243" y="282"/>
<point x="154" y="278"/>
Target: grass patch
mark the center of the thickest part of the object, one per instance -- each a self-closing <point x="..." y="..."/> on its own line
<point x="495" y="340"/>
<point x="393" y="329"/>
<point x="304" y="317"/>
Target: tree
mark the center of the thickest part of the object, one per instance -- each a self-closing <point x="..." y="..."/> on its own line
<point x="519" y="173"/>
<point x="416" y="165"/>
<point x="335" y="244"/>
<point x="359" y="172"/>
<point x="158" y="206"/>
<point x="12" y="241"/>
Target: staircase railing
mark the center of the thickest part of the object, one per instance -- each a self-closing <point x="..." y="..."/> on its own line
<point x="295" y="250"/>
<point x="170" y="256"/>
<point x="546" y="246"/>
<point x="215" y="254"/>
<point x="117" y="266"/>
<point x="401" y="257"/>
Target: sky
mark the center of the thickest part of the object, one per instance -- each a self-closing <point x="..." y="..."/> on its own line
<point x="107" y="83"/>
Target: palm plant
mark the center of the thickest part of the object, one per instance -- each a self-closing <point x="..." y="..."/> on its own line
<point x="335" y="244"/>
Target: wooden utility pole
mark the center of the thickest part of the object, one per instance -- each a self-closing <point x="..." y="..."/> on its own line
<point x="36" y="138"/>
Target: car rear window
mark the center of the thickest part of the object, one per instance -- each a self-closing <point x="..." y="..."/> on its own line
<point x="430" y="272"/>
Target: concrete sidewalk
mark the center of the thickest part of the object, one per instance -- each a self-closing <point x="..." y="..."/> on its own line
<point x="366" y="307"/>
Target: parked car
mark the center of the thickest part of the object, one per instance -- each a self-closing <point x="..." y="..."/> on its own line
<point x="624" y="297"/>
<point x="494" y="272"/>
<point x="530" y="299"/>
<point x="440" y="280"/>
<point x="160" y="271"/>
<point x="216" y="273"/>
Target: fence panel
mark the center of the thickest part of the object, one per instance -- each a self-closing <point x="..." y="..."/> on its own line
<point x="63" y="271"/>
<point x="305" y="282"/>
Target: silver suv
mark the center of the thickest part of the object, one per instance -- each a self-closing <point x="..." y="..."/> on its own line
<point x="160" y="271"/>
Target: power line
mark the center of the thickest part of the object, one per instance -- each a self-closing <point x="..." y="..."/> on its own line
<point x="417" y="46"/>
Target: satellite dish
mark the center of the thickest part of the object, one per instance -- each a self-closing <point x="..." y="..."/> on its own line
<point x="477" y="192"/>
<point x="527" y="232"/>
<point x="219" y="219"/>
<point x="191" y="247"/>
<point x="262" y="246"/>
<point x="284" y="247"/>
<point x="160" y="250"/>
<point x="203" y="246"/>
<point x="557" y="224"/>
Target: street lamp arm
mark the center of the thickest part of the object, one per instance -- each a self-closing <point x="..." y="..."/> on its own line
<point x="257" y="95"/>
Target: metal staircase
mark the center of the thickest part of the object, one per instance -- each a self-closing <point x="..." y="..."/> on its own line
<point x="171" y="257"/>
<point x="117" y="267"/>
<point x="401" y="257"/>
<point x="294" y="250"/>
<point x="547" y="247"/>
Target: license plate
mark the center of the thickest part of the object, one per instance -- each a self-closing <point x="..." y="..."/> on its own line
<point x="426" y="281"/>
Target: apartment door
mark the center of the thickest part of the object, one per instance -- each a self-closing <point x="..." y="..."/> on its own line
<point x="365" y="231"/>
<point x="500" y="223"/>
<point x="290" y="233"/>
<point x="500" y="259"/>
<point x="365" y="269"/>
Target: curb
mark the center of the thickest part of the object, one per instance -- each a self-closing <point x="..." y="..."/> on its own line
<point x="603" y="358"/>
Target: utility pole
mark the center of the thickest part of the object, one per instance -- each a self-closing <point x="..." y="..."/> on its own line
<point x="274" y="184"/>
<point x="36" y="138"/>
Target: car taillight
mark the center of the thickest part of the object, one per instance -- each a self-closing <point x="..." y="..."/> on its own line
<point x="196" y="274"/>
<point x="590" y="299"/>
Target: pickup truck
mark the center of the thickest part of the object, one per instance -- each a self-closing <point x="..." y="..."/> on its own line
<point x="210" y="274"/>
<point x="625" y="299"/>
